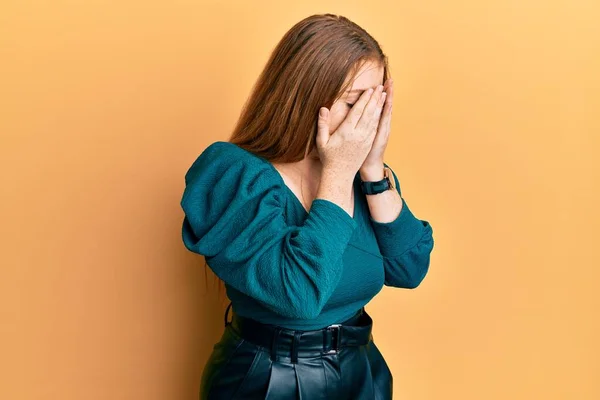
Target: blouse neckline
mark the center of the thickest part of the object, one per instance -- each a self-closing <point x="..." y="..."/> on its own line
<point x="293" y="195"/>
<point x="299" y="203"/>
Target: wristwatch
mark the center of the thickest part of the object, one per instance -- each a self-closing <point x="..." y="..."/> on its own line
<point x="387" y="183"/>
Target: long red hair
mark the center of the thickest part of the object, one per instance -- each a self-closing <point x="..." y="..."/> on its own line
<point x="306" y="71"/>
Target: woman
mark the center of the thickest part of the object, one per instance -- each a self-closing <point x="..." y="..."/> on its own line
<point x="304" y="223"/>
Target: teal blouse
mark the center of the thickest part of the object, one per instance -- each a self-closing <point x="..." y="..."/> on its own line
<point x="282" y="265"/>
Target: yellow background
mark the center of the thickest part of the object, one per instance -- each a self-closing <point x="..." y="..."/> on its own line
<point x="104" y="105"/>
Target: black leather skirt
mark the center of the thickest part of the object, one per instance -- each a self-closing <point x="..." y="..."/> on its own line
<point x="259" y="361"/>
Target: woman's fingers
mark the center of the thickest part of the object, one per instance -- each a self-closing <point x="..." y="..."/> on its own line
<point x="386" y="115"/>
<point x="357" y="109"/>
<point x="366" y="119"/>
<point x="375" y="120"/>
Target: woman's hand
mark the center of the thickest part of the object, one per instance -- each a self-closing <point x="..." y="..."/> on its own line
<point x="374" y="160"/>
<point x="346" y="149"/>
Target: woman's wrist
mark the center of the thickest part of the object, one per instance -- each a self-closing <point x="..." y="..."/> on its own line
<point x="372" y="173"/>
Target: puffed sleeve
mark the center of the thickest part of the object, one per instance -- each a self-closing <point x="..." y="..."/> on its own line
<point x="233" y="204"/>
<point x="406" y="244"/>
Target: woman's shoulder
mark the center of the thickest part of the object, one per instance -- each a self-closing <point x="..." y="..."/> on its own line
<point x="228" y="161"/>
<point x="228" y="150"/>
<point x="227" y="189"/>
<point x="223" y="153"/>
<point x="226" y="176"/>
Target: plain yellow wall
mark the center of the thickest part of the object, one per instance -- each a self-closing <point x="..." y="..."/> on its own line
<point x="104" y="105"/>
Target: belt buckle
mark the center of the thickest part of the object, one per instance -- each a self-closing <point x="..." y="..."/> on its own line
<point x="336" y="333"/>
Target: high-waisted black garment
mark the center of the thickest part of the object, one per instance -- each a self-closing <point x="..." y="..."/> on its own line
<point x="259" y="361"/>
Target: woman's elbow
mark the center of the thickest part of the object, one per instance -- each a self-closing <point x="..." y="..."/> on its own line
<point x="406" y="277"/>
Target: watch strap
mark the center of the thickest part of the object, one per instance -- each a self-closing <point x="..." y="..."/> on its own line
<point x="377" y="187"/>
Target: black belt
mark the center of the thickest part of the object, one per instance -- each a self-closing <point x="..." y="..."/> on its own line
<point x="355" y="331"/>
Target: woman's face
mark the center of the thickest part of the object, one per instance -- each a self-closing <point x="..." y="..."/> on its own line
<point x="369" y="76"/>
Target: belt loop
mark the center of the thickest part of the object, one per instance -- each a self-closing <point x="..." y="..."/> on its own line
<point x="274" y="344"/>
<point x="295" y="345"/>
<point x="227" y="312"/>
